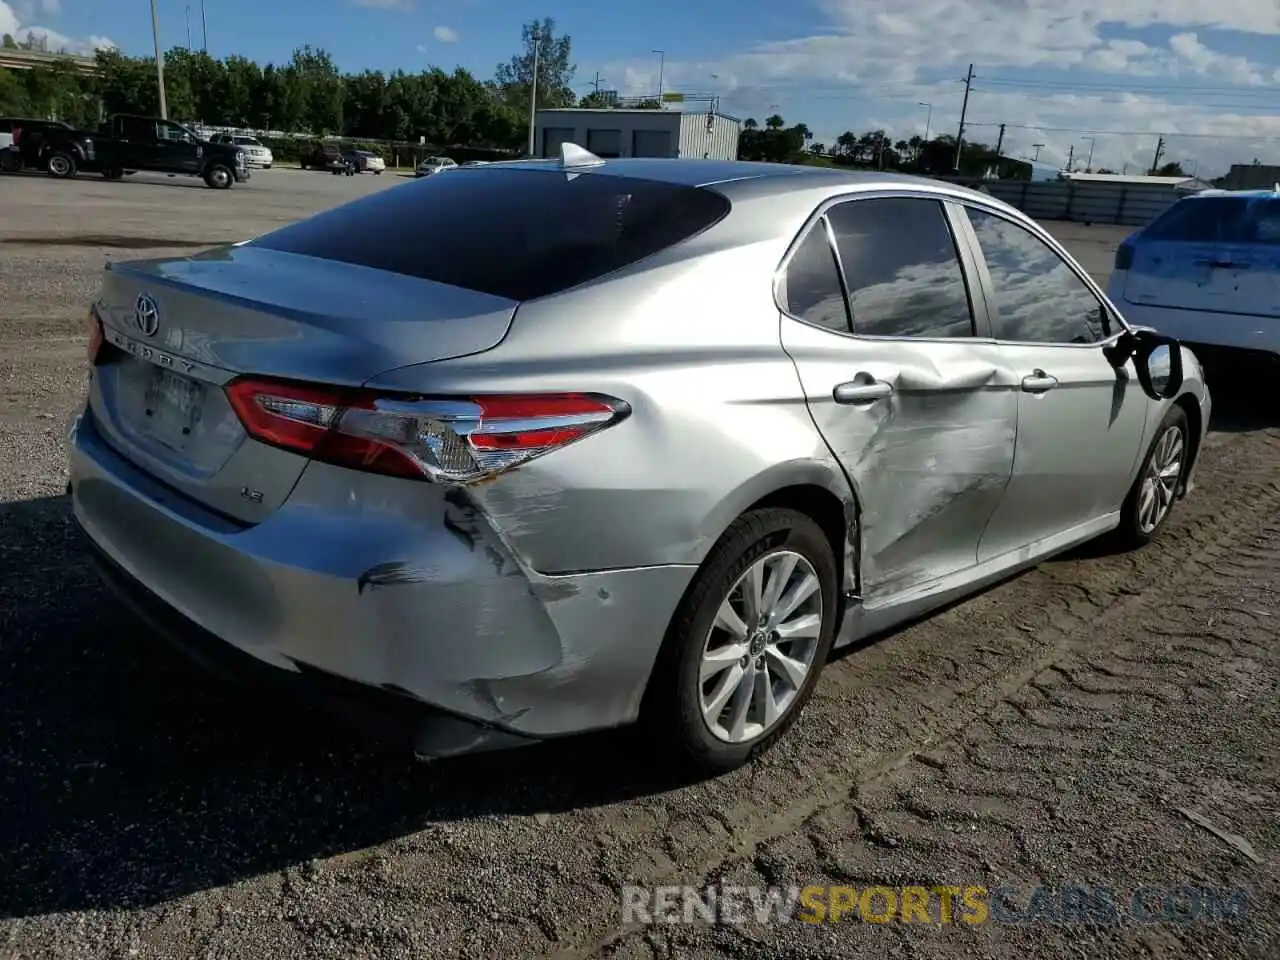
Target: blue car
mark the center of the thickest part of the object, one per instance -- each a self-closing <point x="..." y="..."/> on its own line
<point x="1207" y="271"/>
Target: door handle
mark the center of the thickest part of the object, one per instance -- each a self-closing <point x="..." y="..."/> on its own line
<point x="1039" y="382"/>
<point x="862" y="391"/>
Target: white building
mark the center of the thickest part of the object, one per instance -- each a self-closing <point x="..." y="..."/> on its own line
<point x="610" y="133"/>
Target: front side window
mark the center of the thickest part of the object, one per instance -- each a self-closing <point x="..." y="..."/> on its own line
<point x="171" y="132"/>
<point x="901" y="268"/>
<point x="813" y="292"/>
<point x="1037" y="297"/>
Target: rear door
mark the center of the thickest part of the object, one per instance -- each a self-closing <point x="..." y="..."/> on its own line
<point x="1080" y="420"/>
<point x="909" y="399"/>
<point x="1215" y="253"/>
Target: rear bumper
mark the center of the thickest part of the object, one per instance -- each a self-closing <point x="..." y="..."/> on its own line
<point x="394" y="585"/>
<point x="1204" y="329"/>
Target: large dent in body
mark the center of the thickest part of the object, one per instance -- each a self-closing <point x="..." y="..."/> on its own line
<point x="928" y="463"/>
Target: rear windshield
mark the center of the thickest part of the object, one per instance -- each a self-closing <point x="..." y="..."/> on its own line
<point x="1220" y="220"/>
<point x="518" y="234"/>
<point x="248" y="141"/>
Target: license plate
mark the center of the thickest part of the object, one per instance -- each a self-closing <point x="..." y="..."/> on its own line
<point x="173" y="404"/>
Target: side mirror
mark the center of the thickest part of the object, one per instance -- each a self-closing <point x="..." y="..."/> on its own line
<point x="1157" y="359"/>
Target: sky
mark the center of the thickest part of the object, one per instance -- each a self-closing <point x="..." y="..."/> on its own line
<point x="1205" y="74"/>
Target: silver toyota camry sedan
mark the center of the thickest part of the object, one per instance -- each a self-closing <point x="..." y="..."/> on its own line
<point x="555" y="446"/>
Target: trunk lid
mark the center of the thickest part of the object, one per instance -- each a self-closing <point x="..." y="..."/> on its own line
<point x="1222" y="278"/>
<point x="179" y="330"/>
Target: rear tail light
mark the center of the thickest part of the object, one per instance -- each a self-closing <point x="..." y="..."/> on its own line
<point x="1124" y="256"/>
<point x="450" y="440"/>
<point x="95" y="336"/>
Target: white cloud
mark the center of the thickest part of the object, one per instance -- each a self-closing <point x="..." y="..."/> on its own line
<point x="876" y="60"/>
<point x="17" y="20"/>
<point x="445" y="35"/>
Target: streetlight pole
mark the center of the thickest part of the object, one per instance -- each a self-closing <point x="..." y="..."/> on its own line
<point x="204" y="29"/>
<point x="1088" y="164"/>
<point x="533" y="90"/>
<point x="928" y="118"/>
<point x="662" y="65"/>
<point x="155" y="35"/>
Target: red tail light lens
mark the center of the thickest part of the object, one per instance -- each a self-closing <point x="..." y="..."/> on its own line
<point x="96" y="336"/>
<point x="451" y="440"/>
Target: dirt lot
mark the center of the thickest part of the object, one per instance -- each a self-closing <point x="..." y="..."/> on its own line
<point x="1049" y="731"/>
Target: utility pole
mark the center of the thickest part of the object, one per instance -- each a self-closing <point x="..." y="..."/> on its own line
<point x="1088" y="164"/>
<point x="1000" y="141"/>
<point x="204" y="27"/>
<point x="964" y="110"/>
<point x="533" y="89"/>
<point x="188" y="28"/>
<point x="662" y="66"/>
<point x="1037" y="146"/>
<point x="596" y="82"/>
<point x="155" y="35"/>
<point x="1155" y="161"/>
<point x="1071" y="154"/>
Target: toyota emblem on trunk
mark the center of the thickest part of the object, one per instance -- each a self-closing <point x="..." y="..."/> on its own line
<point x="146" y="314"/>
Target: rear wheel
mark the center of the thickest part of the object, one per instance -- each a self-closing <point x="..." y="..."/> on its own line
<point x="745" y="648"/>
<point x="1151" y="499"/>
<point x="219" y="176"/>
<point x="113" y="172"/>
<point x="61" y="164"/>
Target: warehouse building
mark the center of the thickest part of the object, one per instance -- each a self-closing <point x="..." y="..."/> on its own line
<point x="610" y="133"/>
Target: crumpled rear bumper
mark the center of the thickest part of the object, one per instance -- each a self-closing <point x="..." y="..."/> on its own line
<point x="398" y="586"/>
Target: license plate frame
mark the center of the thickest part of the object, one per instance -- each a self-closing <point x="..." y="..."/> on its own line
<point x="174" y="403"/>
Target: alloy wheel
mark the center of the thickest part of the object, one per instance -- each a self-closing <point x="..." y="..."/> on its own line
<point x="1160" y="482"/>
<point x="761" y="647"/>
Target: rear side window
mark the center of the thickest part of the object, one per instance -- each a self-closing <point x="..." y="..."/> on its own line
<point x="901" y="268"/>
<point x="1220" y="220"/>
<point x="813" y="287"/>
<point x="518" y="234"/>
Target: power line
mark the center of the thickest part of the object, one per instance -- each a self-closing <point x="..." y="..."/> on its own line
<point x="1123" y="133"/>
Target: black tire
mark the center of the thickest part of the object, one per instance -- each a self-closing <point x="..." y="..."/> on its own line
<point x="113" y="172"/>
<point x="672" y="710"/>
<point x="1132" y="531"/>
<point x="61" y="164"/>
<point x="219" y="176"/>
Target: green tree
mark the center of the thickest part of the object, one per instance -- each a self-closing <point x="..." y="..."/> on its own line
<point x="555" y="68"/>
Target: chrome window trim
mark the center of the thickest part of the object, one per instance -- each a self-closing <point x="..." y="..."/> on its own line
<point x="876" y="192"/>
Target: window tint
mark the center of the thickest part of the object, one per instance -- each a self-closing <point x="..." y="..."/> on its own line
<point x="901" y="268"/>
<point x="519" y="234"/>
<point x="1038" y="298"/>
<point x="813" y="283"/>
<point x="1220" y="220"/>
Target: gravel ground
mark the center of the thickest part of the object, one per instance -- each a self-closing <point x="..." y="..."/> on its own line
<point x="1048" y="731"/>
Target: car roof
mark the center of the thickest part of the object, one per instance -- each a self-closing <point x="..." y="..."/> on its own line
<point x="1243" y="194"/>
<point x="755" y="177"/>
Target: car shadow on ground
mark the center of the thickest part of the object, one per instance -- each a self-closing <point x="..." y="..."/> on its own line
<point x="130" y="777"/>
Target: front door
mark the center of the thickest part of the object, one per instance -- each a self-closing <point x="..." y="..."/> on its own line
<point x="882" y="332"/>
<point x="176" y="150"/>
<point x="1080" y="420"/>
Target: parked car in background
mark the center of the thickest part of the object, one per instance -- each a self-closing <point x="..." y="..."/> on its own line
<point x="519" y="474"/>
<point x="365" y="160"/>
<point x="1207" y="271"/>
<point x="433" y="165"/>
<point x="255" y="152"/>
<point x="126" y="143"/>
<point x="320" y="155"/>
<point x="21" y="140"/>
<point x="474" y="163"/>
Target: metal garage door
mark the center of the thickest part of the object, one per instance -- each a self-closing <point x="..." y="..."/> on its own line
<point x="651" y="143"/>
<point x="552" y="137"/>
<point x="605" y="143"/>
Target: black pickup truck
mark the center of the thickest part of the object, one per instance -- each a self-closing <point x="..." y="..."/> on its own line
<point x="126" y="144"/>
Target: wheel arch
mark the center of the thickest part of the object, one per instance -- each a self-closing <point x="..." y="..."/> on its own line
<point x="817" y="489"/>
